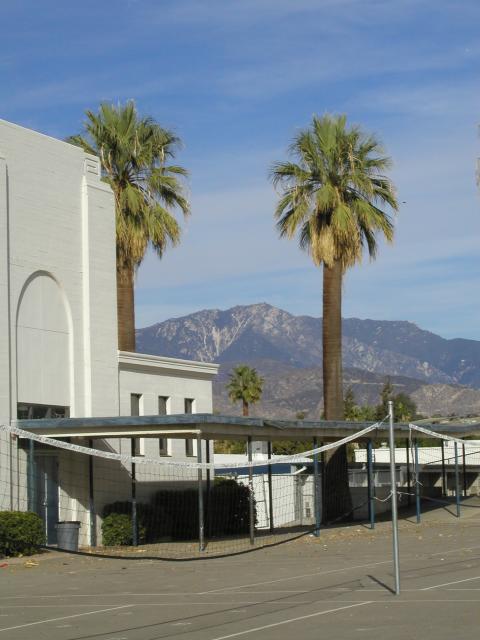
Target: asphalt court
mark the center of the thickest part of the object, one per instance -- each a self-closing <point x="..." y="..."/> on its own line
<point x="337" y="586"/>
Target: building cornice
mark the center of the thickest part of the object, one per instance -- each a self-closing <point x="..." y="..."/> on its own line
<point x="144" y="362"/>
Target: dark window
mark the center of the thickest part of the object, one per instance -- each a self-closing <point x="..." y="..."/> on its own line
<point x="163" y="446"/>
<point x="189" y="447"/>
<point x="188" y="405"/>
<point x="135" y="404"/>
<point x="162" y="405"/>
<point x="138" y="446"/>
<point x="29" y="411"/>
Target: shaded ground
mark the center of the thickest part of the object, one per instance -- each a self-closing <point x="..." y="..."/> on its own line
<point x="334" y="586"/>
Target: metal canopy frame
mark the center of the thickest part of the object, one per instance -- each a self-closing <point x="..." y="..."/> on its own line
<point x="217" y="427"/>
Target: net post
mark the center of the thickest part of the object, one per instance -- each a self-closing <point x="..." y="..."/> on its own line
<point x="393" y="481"/>
<point x="209" y="486"/>
<point x="457" y="481"/>
<point x="134" y="496"/>
<point x="417" y="484"/>
<point x="201" y="515"/>
<point x="270" y="487"/>
<point x="444" y="474"/>
<point x="409" y="475"/>
<point x="31" y="476"/>
<point x="464" y="472"/>
<point x="316" y="491"/>
<point x="91" y="499"/>
<point x="251" y="498"/>
<point x="370" y="484"/>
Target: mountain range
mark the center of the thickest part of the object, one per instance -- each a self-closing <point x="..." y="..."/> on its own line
<point x="442" y="375"/>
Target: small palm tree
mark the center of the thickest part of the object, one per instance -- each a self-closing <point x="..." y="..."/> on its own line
<point x="134" y="152"/>
<point x="333" y="191"/>
<point x="246" y="386"/>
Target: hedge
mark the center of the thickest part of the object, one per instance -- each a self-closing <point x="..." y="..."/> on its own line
<point x="173" y="514"/>
<point x="21" y="533"/>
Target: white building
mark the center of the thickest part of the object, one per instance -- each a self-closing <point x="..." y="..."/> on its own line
<point x="58" y="324"/>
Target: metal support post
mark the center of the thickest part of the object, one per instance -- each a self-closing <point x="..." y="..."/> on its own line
<point x="457" y="481"/>
<point x="209" y="486"/>
<point x="393" y="481"/>
<point x="134" y="497"/>
<point x="409" y="475"/>
<point x="270" y="488"/>
<point x="31" y="477"/>
<point x="444" y="473"/>
<point x="464" y="472"/>
<point x="201" y="515"/>
<point x="317" y="494"/>
<point x="417" y="484"/>
<point x="251" y="502"/>
<point x="91" y="499"/>
<point x="371" y="485"/>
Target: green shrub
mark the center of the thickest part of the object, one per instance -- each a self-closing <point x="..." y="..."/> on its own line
<point x="117" y="524"/>
<point x="21" y="533"/>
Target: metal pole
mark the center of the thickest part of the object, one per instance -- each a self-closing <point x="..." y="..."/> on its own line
<point x="201" y="515"/>
<point x="409" y="475"/>
<point x="209" y="486"/>
<point x="31" y="476"/>
<point x="444" y="474"/>
<point x="316" y="491"/>
<point x="134" y="496"/>
<point x="393" y="481"/>
<point x="417" y="484"/>
<point x="464" y="472"/>
<point x="457" y="481"/>
<point x="252" y="494"/>
<point x="91" y="500"/>
<point x="270" y="488"/>
<point x="370" y="484"/>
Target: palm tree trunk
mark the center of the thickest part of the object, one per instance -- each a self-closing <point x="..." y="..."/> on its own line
<point x="245" y="407"/>
<point x="125" y="309"/>
<point x="337" y="502"/>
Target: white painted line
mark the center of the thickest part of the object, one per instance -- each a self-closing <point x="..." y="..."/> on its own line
<point x="278" y="624"/>
<point x="446" y="584"/>
<point x="77" y="615"/>
<point x="305" y="575"/>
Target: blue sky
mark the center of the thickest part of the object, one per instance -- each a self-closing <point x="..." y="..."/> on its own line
<point x="236" y="80"/>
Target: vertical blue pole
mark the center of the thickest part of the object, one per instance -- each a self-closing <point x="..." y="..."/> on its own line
<point x="457" y="482"/>
<point x="134" y="497"/>
<point x="270" y="488"/>
<point x="91" y="499"/>
<point x="464" y="472"/>
<point x="31" y="476"/>
<point x="444" y="475"/>
<point x="370" y="483"/>
<point x="393" y="489"/>
<point x="417" y="482"/>
<point x="201" y="514"/>
<point x="251" y="505"/>
<point x="316" y="491"/>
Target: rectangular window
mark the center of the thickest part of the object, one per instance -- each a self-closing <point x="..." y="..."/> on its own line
<point x="30" y="411"/>
<point x="163" y="444"/>
<point x="135" y="399"/>
<point x="163" y="405"/>
<point x="139" y="446"/>
<point x="189" y="405"/>
<point x="189" y="452"/>
<point x="135" y="410"/>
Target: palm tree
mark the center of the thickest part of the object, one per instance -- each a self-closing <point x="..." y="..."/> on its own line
<point x="134" y="152"/>
<point x="334" y="196"/>
<point x="246" y="386"/>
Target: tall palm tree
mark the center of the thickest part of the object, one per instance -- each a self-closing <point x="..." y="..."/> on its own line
<point x="246" y="386"/>
<point x="337" y="198"/>
<point x="134" y="152"/>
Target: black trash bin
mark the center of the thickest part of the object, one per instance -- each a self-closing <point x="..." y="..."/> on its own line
<point x="67" y="535"/>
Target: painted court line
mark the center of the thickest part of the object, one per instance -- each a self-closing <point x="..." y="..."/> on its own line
<point x="446" y="584"/>
<point x="77" y="615"/>
<point x="290" y="620"/>
<point x="305" y="575"/>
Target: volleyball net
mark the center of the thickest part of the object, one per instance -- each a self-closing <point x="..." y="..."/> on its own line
<point x="122" y="497"/>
